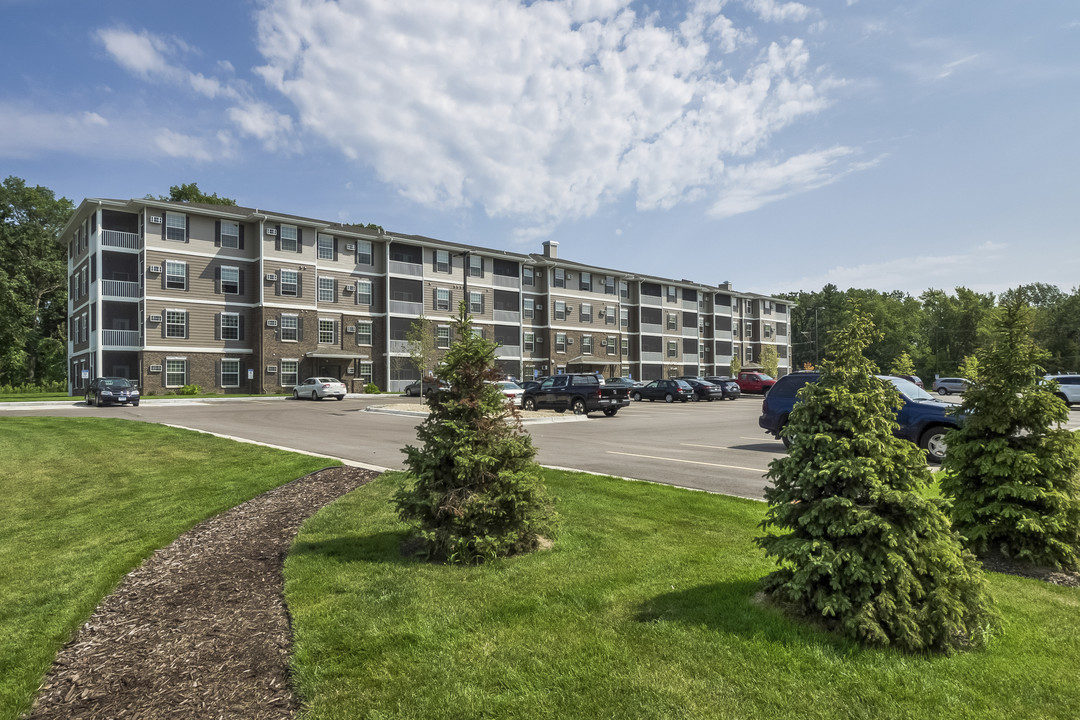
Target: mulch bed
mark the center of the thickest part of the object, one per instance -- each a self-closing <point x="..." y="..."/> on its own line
<point x="199" y="630"/>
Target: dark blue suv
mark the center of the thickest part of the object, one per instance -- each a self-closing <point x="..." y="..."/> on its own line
<point x="922" y="417"/>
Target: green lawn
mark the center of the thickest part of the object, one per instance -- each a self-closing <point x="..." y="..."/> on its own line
<point x="644" y="608"/>
<point x="86" y="500"/>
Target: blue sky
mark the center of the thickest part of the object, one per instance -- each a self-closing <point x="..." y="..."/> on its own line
<point x="778" y="145"/>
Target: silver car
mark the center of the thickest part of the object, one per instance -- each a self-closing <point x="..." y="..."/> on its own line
<point x="317" y="388"/>
<point x="946" y="386"/>
<point x="1068" y="388"/>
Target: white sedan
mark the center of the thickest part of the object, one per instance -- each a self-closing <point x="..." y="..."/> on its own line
<point x="511" y="390"/>
<point x="317" y="388"/>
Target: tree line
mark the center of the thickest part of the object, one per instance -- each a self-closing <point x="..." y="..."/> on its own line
<point x="937" y="330"/>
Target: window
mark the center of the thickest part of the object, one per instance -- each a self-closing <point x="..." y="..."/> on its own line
<point x="585" y="281"/>
<point x="609" y="315"/>
<point x="672" y="322"/>
<point x="625" y="347"/>
<point x="442" y="336"/>
<point x="476" y="302"/>
<point x="363" y="292"/>
<point x="672" y="348"/>
<point x="560" y="310"/>
<point x="672" y="293"/>
<point x="442" y="261"/>
<point x="611" y="340"/>
<point x="478" y="332"/>
<point x="230" y="373"/>
<point x="527" y="308"/>
<point x="175" y="372"/>
<point x="528" y="341"/>
<point x="230" y="234"/>
<point x="364" y="253"/>
<point x="768" y="331"/>
<point x="230" y="280"/>
<point x="560" y="342"/>
<point x="749" y="354"/>
<point x="175" y="275"/>
<point x="230" y="326"/>
<point x="363" y="333"/>
<point x="290" y="280"/>
<point x="527" y="276"/>
<point x="749" y="307"/>
<point x="326" y="247"/>
<point x="290" y="371"/>
<point x="366" y="373"/>
<point x="624" y="289"/>
<point x="288" y="238"/>
<point x="609" y="285"/>
<point x="585" y="312"/>
<point x="749" y="331"/>
<point x="476" y="266"/>
<point x="175" y="323"/>
<point x="289" y="328"/>
<point x="586" y="344"/>
<point x="442" y="299"/>
<point x="701" y="351"/>
<point x="176" y="227"/>
<point x="326" y="332"/>
<point x="326" y="289"/>
<point x="560" y="278"/>
<point x="624" y="317"/>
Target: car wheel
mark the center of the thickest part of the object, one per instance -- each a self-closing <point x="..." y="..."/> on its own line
<point x="1064" y="399"/>
<point x="314" y="395"/>
<point x="579" y="407"/>
<point x="88" y="400"/>
<point x="943" y="391"/>
<point x="528" y="404"/>
<point x="560" y="410"/>
<point x="637" y="396"/>
<point x="295" y="395"/>
<point x="135" y="404"/>
<point x="669" y="398"/>
<point x="610" y="412"/>
<point x="340" y="397"/>
<point x="933" y="442"/>
<point x="408" y="392"/>
<point x="695" y="397"/>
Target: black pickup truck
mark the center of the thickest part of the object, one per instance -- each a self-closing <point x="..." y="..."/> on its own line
<point x="581" y="394"/>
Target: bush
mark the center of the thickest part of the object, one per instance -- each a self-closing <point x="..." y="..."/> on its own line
<point x="34" y="389"/>
<point x="189" y="390"/>
<point x="372" y="389"/>
<point x="1011" y="470"/>
<point x="478" y="493"/>
<point x="862" y="551"/>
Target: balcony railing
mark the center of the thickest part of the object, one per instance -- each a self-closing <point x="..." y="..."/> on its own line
<point x="651" y="329"/>
<point x="510" y="316"/>
<point x="404" y="268"/>
<point x="118" y="239"/>
<point x="121" y="289"/>
<point x="723" y="334"/>
<point x="724" y="310"/>
<point x="406" y="308"/>
<point x="399" y="346"/>
<point x="652" y="357"/>
<point x="509" y="281"/>
<point x="690" y="305"/>
<point x="120" y="338"/>
<point x="508" y="351"/>
<point x="651" y="300"/>
<point x="690" y="332"/>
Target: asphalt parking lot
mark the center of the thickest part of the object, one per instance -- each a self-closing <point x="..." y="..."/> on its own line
<point x="716" y="446"/>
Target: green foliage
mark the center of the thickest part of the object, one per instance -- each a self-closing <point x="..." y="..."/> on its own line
<point x="969" y="369"/>
<point x="58" y="386"/>
<point x="189" y="390"/>
<point x="902" y="365"/>
<point x="478" y="493"/>
<point x="1011" y="472"/>
<point x="736" y="364"/>
<point x="861" y="550"/>
<point x="421" y="340"/>
<point x="372" y="389"/>
<point x="189" y="192"/>
<point x="769" y="361"/>
<point x="33" y="283"/>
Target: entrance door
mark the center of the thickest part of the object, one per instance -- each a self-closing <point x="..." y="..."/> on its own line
<point x="333" y="371"/>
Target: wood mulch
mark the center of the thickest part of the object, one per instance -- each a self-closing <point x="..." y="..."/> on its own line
<point x="199" y="630"/>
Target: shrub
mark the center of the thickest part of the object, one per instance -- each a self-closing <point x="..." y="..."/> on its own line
<point x="862" y="551"/>
<point x="478" y="492"/>
<point x="1011" y="470"/>
<point x="189" y="390"/>
<point x="372" y="389"/>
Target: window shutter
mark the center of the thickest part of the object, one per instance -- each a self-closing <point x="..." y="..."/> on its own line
<point x="277" y="285"/>
<point x="299" y="240"/>
<point x="240" y="283"/>
<point x="277" y="237"/>
<point x="241" y="236"/>
<point x="337" y="333"/>
<point x="299" y="329"/>
<point x="299" y="286"/>
<point x="335" y="243"/>
<point x="185" y="228"/>
<point x="220" y="381"/>
<point x="241" y="323"/>
<point x="164" y="223"/>
<point x="217" y="233"/>
<point x="217" y="326"/>
<point x="217" y="279"/>
<point x="335" y="290"/>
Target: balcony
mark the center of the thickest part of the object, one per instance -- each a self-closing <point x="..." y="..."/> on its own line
<point x="507" y="281"/>
<point x="404" y="268"/>
<point x="724" y="310"/>
<point x="119" y="239"/>
<point x="651" y="300"/>
<point x="508" y="316"/>
<point x="652" y="357"/>
<point x="120" y="289"/>
<point x="651" y="329"/>
<point x="402" y="307"/>
<point x="120" y="339"/>
<point x="690" y="332"/>
<point x="508" y="351"/>
<point x="399" y="346"/>
<point x="690" y="305"/>
<point x="723" y="335"/>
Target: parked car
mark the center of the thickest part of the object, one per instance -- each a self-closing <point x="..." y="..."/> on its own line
<point x="530" y="385"/>
<point x="704" y="390"/>
<point x="430" y="385"/>
<point x="510" y="390"/>
<point x="627" y="383"/>
<point x="112" y="391"/>
<point x="755" y="382"/>
<point x="732" y="391"/>
<point x="946" y="386"/>
<point x="1068" y="388"/>
<point x="912" y="378"/>
<point x="666" y="390"/>
<point x="922" y="417"/>
<point x="579" y="393"/>
<point x="318" y="388"/>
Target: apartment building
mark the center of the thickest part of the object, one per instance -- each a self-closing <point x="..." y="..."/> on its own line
<point x="246" y="300"/>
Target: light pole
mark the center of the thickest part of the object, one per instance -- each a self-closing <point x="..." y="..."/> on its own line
<point x="817" y="335"/>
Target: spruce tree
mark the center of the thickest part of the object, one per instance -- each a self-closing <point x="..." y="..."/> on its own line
<point x="1011" y="473"/>
<point x="860" y="549"/>
<point x="478" y="492"/>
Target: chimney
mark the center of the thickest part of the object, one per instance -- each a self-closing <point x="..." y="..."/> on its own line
<point x="726" y="285"/>
<point x="551" y="248"/>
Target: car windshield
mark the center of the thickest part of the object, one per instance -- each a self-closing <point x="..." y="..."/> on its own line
<point x="507" y="385"/>
<point x="117" y="384"/>
<point x="910" y="389"/>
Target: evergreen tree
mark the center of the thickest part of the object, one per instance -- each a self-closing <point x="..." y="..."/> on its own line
<point x="860" y="549"/>
<point x="902" y="365"/>
<point x="478" y="492"/>
<point x="1011" y="472"/>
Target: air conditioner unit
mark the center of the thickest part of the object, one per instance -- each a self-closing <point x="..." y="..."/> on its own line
<point x="154" y="268"/>
<point x="706" y="323"/>
<point x="601" y="313"/>
<point x="569" y="276"/>
<point x="350" y="328"/>
<point x="569" y="308"/>
<point x="539" y="306"/>
<point x="271" y="322"/>
<point x="155" y="220"/>
<point x="271" y="276"/>
<point x="271" y="231"/>
<point x="271" y="369"/>
<point x="350" y="246"/>
<point x="603" y="342"/>
<point x="350" y="288"/>
<point x="155" y="368"/>
<point x="569" y="341"/>
<point x="154" y="318"/>
<point x="539" y="339"/>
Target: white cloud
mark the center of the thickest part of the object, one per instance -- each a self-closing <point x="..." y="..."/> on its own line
<point x="26" y="131"/>
<point x="541" y="112"/>
<point x="141" y="53"/>
<point x="179" y="145"/>
<point x="259" y="120"/>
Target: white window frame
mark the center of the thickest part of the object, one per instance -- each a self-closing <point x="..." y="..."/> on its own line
<point x="672" y="322"/>
<point x="327" y="329"/>
<point x="172" y="265"/>
<point x="364" y="331"/>
<point x="559" y="278"/>
<point x="222" y="379"/>
<point x="234" y="281"/>
<point x="365" y="252"/>
<point x="325" y="246"/>
<point x="442" y="336"/>
<point x="611" y="339"/>
<point x="476" y="266"/>
<point x="366" y="372"/>
<point x="528" y="341"/>
<point x="327" y="289"/>
<point x="585" y="312"/>
<point x="285" y="373"/>
<point x="672" y="293"/>
<point x="289" y="325"/>
<point x="560" y="342"/>
<point x="283" y="289"/>
<point x="625" y="347"/>
<point x="673" y="348"/>
<point x="476" y="303"/>
<point x="528" y="311"/>
<point x="749" y="353"/>
<point x="586" y="344"/>
<point x="609" y="315"/>
<point x="364" y="295"/>
<point x="585" y="281"/>
<point x="288" y="233"/>
<point x="183" y="364"/>
<point x="560" y="310"/>
<point x="176" y="222"/>
<point x="527" y="276"/>
<point x="233" y="325"/>
<point x="230" y="234"/>
<point x="442" y="262"/>
<point x="179" y="319"/>
<point x="624" y="317"/>
<point x="442" y="299"/>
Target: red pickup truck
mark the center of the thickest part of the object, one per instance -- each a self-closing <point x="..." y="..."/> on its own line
<point x="754" y="382"/>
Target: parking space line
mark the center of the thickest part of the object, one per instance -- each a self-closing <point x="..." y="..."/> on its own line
<point x="688" y="462"/>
